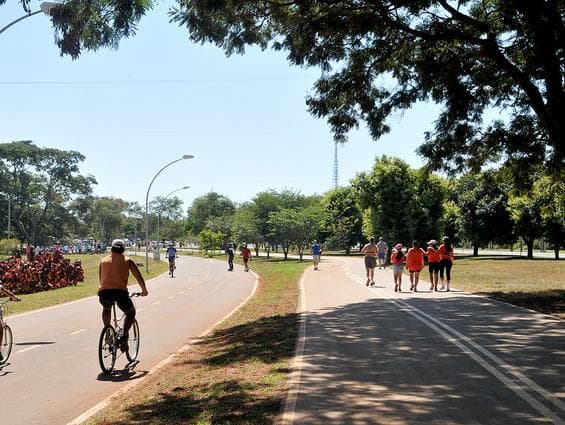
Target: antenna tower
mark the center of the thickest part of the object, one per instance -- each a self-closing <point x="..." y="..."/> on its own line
<point x="336" y="168"/>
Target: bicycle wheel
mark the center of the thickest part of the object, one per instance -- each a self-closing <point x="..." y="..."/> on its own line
<point x="107" y="349"/>
<point x="6" y="344"/>
<point x="171" y="269"/>
<point x="133" y="342"/>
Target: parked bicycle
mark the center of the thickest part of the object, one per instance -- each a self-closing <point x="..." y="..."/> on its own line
<point x="109" y="342"/>
<point x="6" y="337"/>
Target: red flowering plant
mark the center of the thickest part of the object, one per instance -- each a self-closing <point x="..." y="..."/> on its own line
<point x="25" y="275"/>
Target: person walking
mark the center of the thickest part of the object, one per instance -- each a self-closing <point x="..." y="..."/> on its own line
<point x="397" y="258"/>
<point x="370" y="251"/>
<point x="231" y="254"/>
<point x="445" y="262"/>
<point x="382" y="249"/>
<point x="433" y="263"/>
<point x="415" y="264"/>
<point x="246" y="255"/>
<point x="316" y="250"/>
<point x="113" y="274"/>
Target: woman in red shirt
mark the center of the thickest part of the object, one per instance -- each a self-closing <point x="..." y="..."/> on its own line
<point x="415" y="264"/>
<point x="433" y="263"/>
<point x="445" y="261"/>
<point x="397" y="258"/>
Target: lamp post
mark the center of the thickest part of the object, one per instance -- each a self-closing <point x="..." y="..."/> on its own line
<point x="46" y="7"/>
<point x="103" y="225"/>
<point x="9" y="213"/>
<point x="147" y="208"/>
<point x="159" y="213"/>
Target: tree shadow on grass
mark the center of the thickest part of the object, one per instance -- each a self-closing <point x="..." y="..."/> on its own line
<point x="551" y="301"/>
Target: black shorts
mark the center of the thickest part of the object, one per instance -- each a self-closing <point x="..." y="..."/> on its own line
<point x="108" y="297"/>
<point x="433" y="267"/>
<point x="370" y="262"/>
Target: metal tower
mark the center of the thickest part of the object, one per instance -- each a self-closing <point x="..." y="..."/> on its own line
<point x="336" y="168"/>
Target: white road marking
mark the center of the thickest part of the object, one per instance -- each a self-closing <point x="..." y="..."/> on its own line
<point x="517" y="388"/>
<point x="156" y="302"/>
<point x="78" y="332"/>
<point x="33" y="347"/>
<point x="170" y="298"/>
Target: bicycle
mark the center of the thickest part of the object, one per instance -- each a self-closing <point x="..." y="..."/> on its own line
<point x="109" y="342"/>
<point x="172" y="266"/>
<point x="7" y="340"/>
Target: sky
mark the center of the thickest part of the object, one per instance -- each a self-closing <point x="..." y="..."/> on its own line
<point x="133" y="110"/>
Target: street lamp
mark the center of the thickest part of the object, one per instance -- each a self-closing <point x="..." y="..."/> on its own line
<point x="9" y="211"/>
<point x="147" y="208"/>
<point x="46" y="7"/>
<point x="103" y="225"/>
<point x="159" y="213"/>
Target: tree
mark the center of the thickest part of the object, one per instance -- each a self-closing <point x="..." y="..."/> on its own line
<point x="526" y="213"/>
<point x="483" y="210"/>
<point x="206" y="207"/>
<point x="400" y="203"/>
<point x="245" y="227"/>
<point x="298" y="226"/>
<point x="343" y="220"/>
<point x="470" y="57"/>
<point x="41" y="183"/>
<point x="210" y="240"/>
<point x="552" y="195"/>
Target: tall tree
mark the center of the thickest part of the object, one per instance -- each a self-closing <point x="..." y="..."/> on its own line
<point x="469" y="56"/>
<point x="343" y="219"/>
<point x="483" y="210"/>
<point x="206" y="207"/>
<point x="297" y="226"/>
<point x="39" y="182"/>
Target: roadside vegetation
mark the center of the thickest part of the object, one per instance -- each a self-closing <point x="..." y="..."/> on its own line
<point x="237" y="374"/>
<point x="84" y="289"/>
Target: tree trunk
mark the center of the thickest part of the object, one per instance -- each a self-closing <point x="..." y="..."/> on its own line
<point x="530" y="245"/>
<point x="475" y="249"/>
<point x="285" y="251"/>
<point x="556" y="251"/>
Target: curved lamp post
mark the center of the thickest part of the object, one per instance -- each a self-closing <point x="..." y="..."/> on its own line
<point x="159" y="214"/>
<point x="147" y="208"/>
<point x="46" y="7"/>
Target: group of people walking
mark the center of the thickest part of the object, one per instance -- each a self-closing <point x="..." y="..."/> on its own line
<point x="440" y="261"/>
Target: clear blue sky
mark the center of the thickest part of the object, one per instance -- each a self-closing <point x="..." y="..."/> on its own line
<point x="131" y="111"/>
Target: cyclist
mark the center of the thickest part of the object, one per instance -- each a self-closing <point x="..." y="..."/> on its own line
<point x="171" y="255"/>
<point x="113" y="274"/>
<point x="5" y="293"/>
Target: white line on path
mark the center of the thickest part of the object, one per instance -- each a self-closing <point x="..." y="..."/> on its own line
<point x="33" y="347"/>
<point x="517" y="388"/>
<point x="78" y="332"/>
<point x="156" y="302"/>
<point x="170" y="298"/>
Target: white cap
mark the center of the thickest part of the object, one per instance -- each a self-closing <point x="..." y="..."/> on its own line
<point x="118" y="243"/>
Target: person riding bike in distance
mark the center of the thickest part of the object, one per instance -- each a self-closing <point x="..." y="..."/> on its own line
<point x="171" y="255"/>
<point x="113" y="275"/>
<point x="5" y="293"/>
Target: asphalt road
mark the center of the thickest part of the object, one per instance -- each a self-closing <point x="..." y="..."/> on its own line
<point x="368" y="355"/>
<point x="53" y="375"/>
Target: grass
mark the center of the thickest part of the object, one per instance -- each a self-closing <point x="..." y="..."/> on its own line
<point x="84" y="289"/>
<point x="538" y="284"/>
<point x="237" y="374"/>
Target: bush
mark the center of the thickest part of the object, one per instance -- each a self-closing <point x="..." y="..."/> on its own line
<point x="8" y="246"/>
<point x="49" y="270"/>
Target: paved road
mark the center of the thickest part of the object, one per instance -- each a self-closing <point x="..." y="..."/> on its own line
<point x="53" y="375"/>
<point x="372" y="356"/>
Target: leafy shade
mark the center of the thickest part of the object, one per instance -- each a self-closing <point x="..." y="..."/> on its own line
<point x="472" y="57"/>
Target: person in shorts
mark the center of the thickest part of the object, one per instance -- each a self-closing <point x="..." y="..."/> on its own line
<point x="113" y="274"/>
<point x="316" y="250"/>
<point x="370" y="251"/>
<point x="433" y="263"/>
<point x="246" y="255"/>
<point x="397" y="258"/>
<point x="382" y="249"/>
<point x="415" y="264"/>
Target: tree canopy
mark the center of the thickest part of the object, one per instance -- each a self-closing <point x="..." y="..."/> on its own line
<point x="379" y="58"/>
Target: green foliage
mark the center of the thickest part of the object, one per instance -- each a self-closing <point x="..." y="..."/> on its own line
<point x="400" y="203"/>
<point x="207" y="207"/>
<point x="342" y="219"/>
<point x="470" y="57"/>
<point x="210" y="240"/>
<point x="246" y="226"/>
<point x="8" y="246"/>
<point x="41" y="182"/>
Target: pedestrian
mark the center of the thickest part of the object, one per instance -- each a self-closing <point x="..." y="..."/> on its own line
<point x="370" y="251"/>
<point x="246" y="254"/>
<point x="231" y="254"/>
<point x="316" y="250"/>
<point x="382" y="250"/>
<point x="445" y="262"/>
<point x="415" y="264"/>
<point x="433" y="263"/>
<point x="397" y="258"/>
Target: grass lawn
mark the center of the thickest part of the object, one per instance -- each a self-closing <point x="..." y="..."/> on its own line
<point x="84" y="289"/>
<point x="237" y="374"/>
<point x="538" y="284"/>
